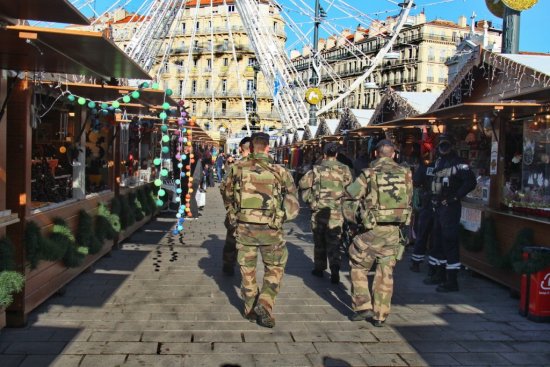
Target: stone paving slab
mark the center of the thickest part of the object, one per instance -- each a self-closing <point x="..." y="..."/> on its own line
<point x="161" y="300"/>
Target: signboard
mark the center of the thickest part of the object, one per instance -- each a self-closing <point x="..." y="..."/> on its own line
<point x="471" y="219"/>
<point x="313" y="95"/>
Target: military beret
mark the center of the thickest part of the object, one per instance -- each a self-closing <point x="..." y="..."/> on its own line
<point x="330" y="148"/>
<point x="383" y="142"/>
<point x="244" y="140"/>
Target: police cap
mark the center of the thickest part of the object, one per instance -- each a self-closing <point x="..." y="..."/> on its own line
<point x="330" y="149"/>
<point x="385" y="142"/>
<point x="445" y="138"/>
<point x="244" y="140"/>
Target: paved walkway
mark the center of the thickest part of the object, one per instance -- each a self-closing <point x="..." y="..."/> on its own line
<point x="161" y="300"/>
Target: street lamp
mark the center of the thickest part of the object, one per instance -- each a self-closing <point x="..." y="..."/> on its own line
<point x="253" y="117"/>
<point x="320" y="14"/>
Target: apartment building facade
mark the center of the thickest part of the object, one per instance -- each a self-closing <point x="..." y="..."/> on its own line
<point x="416" y="62"/>
<point x="210" y="64"/>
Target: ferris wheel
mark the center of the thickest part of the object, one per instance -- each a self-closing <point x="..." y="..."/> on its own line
<point x="153" y="41"/>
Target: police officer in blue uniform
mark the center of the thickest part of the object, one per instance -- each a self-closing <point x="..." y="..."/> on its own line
<point x="452" y="180"/>
<point x="422" y="181"/>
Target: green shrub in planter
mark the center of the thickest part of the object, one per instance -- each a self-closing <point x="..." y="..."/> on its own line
<point x="127" y="217"/>
<point x="10" y="282"/>
<point x="137" y="209"/>
<point x="145" y="204"/>
<point x="39" y="247"/>
<point x="85" y="235"/>
<point x="151" y="199"/>
<point x="6" y="255"/>
<point x="107" y="224"/>
<point x="61" y="234"/>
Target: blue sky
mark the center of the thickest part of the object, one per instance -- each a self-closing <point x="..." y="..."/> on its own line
<point x="534" y="22"/>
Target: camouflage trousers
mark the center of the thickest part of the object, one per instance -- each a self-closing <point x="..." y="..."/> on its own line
<point x="381" y="245"/>
<point x="274" y="258"/>
<point x="230" y="246"/>
<point x="328" y="244"/>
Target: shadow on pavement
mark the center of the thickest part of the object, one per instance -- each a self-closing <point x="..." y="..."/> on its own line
<point x="212" y="267"/>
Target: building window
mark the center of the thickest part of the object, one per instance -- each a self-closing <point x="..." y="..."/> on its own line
<point x="207" y="107"/>
<point x="250" y="86"/>
<point x="194" y="107"/>
<point x="207" y="84"/>
<point x="231" y="8"/>
<point x="225" y="44"/>
<point x="183" y="25"/>
<point x="197" y="26"/>
<point x="249" y="106"/>
<point x="225" y="61"/>
<point x="180" y="88"/>
<point x="209" y="64"/>
<point x="224" y="106"/>
<point x="194" y="87"/>
<point x="251" y="61"/>
<point x="275" y="26"/>
<point x="442" y="56"/>
<point x="430" y="78"/>
<point x="224" y="85"/>
<point x="195" y="62"/>
<point x="431" y="54"/>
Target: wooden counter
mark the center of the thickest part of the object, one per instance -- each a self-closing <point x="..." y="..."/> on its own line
<point x="507" y="226"/>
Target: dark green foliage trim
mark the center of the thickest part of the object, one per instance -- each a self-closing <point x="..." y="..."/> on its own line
<point x="85" y="235"/>
<point x="127" y="217"/>
<point x="33" y="238"/>
<point x="145" y="204"/>
<point x="136" y="207"/>
<point x="62" y="235"/>
<point x="6" y="255"/>
<point x="107" y="224"/>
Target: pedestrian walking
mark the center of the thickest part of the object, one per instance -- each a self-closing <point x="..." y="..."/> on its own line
<point x="424" y="214"/>
<point x="229" y="248"/>
<point x="385" y="190"/>
<point x="220" y="160"/>
<point x="262" y="196"/>
<point x="453" y="180"/>
<point x="323" y="188"/>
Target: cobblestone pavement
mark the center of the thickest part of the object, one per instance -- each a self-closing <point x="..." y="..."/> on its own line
<point x="161" y="300"/>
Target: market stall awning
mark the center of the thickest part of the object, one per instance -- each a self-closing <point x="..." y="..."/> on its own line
<point x="60" y="11"/>
<point x="150" y="98"/>
<point x="466" y="111"/>
<point x="38" y="49"/>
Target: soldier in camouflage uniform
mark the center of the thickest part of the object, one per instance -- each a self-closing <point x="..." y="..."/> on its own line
<point x="385" y="190"/>
<point x="262" y="196"/>
<point x="229" y="248"/>
<point x="323" y="188"/>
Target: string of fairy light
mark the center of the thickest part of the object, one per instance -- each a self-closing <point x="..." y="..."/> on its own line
<point x="184" y="146"/>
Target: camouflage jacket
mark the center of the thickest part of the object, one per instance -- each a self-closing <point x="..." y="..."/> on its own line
<point x="385" y="191"/>
<point x="323" y="187"/>
<point x="257" y="233"/>
<point x="223" y="183"/>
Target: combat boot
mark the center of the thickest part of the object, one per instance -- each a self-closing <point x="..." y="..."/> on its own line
<point x="335" y="274"/>
<point x="362" y="315"/>
<point x="415" y="266"/>
<point x="451" y="284"/>
<point x="436" y="275"/>
<point x="263" y="317"/>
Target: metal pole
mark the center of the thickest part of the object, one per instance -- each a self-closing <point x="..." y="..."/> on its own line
<point x="510" y="34"/>
<point x="314" y="79"/>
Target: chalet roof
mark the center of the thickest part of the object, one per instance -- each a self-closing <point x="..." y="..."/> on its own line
<point x="420" y="101"/>
<point x="363" y="116"/>
<point x="540" y="63"/>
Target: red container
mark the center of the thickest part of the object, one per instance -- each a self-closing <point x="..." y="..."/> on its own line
<point x="535" y="289"/>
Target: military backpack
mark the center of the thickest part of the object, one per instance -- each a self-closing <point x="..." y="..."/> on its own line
<point x="325" y="189"/>
<point x="258" y="193"/>
<point x="388" y="200"/>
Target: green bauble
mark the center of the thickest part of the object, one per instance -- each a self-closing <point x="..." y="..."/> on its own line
<point x="164" y="128"/>
<point x="156" y="161"/>
<point x="163" y="115"/>
<point x="165" y="138"/>
<point x="169" y="92"/>
<point x="135" y="94"/>
<point x="116" y="104"/>
<point x="166" y="106"/>
<point x="81" y="101"/>
<point x="71" y="98"/>
<point x="165" y="150"/>
<point x="126" y="99"/>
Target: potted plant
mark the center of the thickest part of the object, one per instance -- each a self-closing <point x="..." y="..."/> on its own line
<point x="10" y="281"/>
